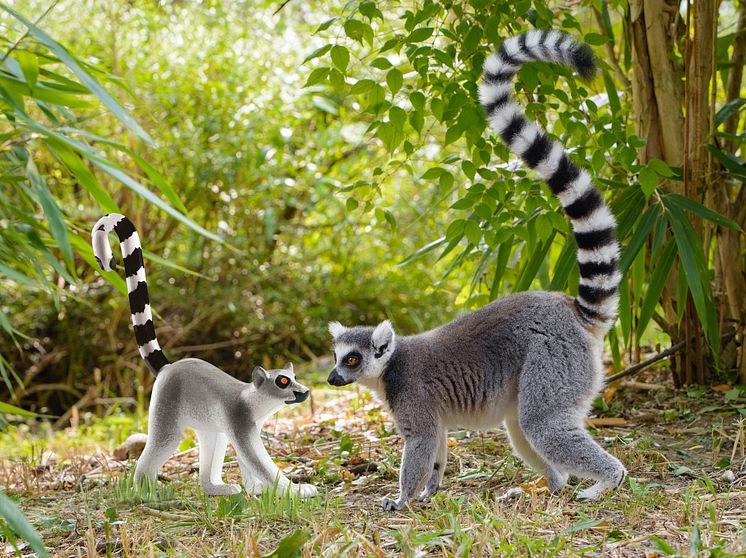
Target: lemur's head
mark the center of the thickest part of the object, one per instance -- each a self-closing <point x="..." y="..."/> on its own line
<point x="280" y="384"/>
<point x="360" y="353"/>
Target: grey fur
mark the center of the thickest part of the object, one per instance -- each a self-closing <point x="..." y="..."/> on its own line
<point x="192" y="393"/>
<point x="530" y="361"/>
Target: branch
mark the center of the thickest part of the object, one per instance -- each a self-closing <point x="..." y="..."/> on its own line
<point x="277" y="11"/>
<point x="640" y="366"/>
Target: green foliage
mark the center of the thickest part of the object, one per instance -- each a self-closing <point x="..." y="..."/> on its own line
<point x="252" y="154"/>
<point x="13" y="522"/>
<point x="503" y="227"/>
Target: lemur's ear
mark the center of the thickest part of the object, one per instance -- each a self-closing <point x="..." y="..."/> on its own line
<point x="289" y="367"/>
<point x="335" y="328"/>
<point x="383" y="338"/>
<point x="258" y="376"/>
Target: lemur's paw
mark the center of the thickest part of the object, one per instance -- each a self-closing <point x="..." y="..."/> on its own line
<point x="427" y="494"/>
<point x="593" y="492"/>
<point x="221" y="489"/>
<point x="389" y="504"/>
<point x="511" y="494"/>
<point x="305" y="490"/>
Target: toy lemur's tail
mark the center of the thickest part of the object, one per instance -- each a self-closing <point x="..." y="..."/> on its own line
<point x="134" y="270"/>
<point x="592" y="222"/>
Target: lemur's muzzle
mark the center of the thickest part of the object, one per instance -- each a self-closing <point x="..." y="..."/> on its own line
<point x="300" y="396"/>
<point x="336" y="379"/>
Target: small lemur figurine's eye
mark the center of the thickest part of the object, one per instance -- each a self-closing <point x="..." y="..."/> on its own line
<point x="352" y="360"/>
<point x="282" y="382"/>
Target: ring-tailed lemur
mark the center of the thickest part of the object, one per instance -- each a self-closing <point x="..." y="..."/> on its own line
<point x="531" y="360"/>
<point x="193" y="393"/>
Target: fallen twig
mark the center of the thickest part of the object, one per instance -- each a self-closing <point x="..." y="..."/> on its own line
<point x="635" y="368"/>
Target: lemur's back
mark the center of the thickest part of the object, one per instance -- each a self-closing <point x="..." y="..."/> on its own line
<point x="473" y="363"/>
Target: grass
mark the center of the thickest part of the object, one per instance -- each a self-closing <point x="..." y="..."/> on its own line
<point x="678" y="500"/>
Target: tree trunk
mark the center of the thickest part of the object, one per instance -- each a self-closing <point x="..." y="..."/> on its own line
<point x="673" y="109"/>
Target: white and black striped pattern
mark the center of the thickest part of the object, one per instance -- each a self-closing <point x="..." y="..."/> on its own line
<point x="592" y="222"/>
<point x="134" y="271"/>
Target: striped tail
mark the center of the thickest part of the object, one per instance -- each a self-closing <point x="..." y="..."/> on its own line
<point x="592" y="222"/>
<point x="137" y="287"/>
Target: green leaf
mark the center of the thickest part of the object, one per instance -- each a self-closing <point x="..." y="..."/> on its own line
<point x="419" y="35"/>
<point x="661" y="168"/>
<point x="53" y="214"/>
<point x="611" y="92"/>
<point x="18" y="523"/>
<point x="78" y="168"/>
<point x="422" y="251"/>
<point x="8" y="409"/>
<point x="648" y="181"/>
<point x="638" y="238"/>
<point x="728" y="109"/>
<point x="695" y="267"/>
<point x="381" y="63"/>
<point x="340" y="57"/>
<point x="695" y="207"/>
<point x="595" y="39"/>
<point x="326" y="25"/>
<point x="655" y="287"/>
<point x="290" y="546"/>
<point x="473" y="232"/>
<point x="394" y="80"/>
<point x="30" y="66"/>
<point x="730" y="162"/>
<point x="317" y="76"/>
<point x="531" y="268"/>
<point x="18" y="277"/>
<point x="321" y="51"/>
<point x="354" y="29"/>
<point x="93" y="85"/>
<point x="565" y="264"/>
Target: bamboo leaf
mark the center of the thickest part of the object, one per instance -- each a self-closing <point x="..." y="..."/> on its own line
<point x="76" y="68"/>
<point x="422" y="251"/>
<point x="655" y="287"/>
<point x="638" y="238"/>
<point x="534" y="263"/>
<point x="53" y="214"/>
<point x="565" y="264"/>
<point x="695" y="207"/>
<point x="695" y="267"/>
<point x="18" y="523"/>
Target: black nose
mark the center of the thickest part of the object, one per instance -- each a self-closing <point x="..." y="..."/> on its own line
<point x="301" y="396"/>
<point x="336" y="379"/>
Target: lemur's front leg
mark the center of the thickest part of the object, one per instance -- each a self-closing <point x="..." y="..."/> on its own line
<point x="417" y="463"/>
<point x="258" y="469"/>
<point x="439" y="467"/>
<point x="212" y="447"/>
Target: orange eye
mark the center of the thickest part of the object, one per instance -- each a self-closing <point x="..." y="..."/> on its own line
<point x="282" y="381"/>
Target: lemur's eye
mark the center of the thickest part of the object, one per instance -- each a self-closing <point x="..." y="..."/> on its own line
<point x="282" y="381"/>
<point x="352" y="360"/>
<point x="334" y="354"/>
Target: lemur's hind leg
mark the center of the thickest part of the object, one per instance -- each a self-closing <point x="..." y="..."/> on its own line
<point x="258" y="469"/>
<point x="439" y="467"/>
<point x="556" y="478"/>
<point x="212" y="447"/>
<point x="553" y="391"/>
<point x="163" y="439"/>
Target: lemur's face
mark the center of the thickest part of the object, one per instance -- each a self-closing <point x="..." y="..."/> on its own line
<point x="280" y="384"/>
<point x="360" y="353"/>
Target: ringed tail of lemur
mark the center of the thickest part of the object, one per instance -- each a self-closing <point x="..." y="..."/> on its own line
<point x="137" y="287"/>
<point x="592" y="222"/>
<point x="531" y="361"/>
